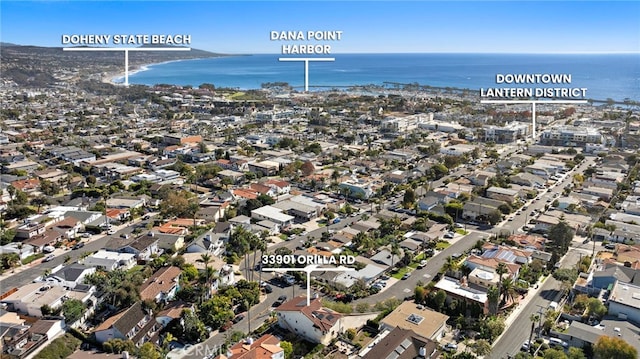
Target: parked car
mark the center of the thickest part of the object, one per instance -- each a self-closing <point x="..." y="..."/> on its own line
<point x="268" y="289"/>
<point x="281" y="299"/>
<point x="406" y="275"/>
<point x="422" y="264"/>
<point x="78" y="245"/>
<point x="610" y="246"/>
<point x="451" y="347"/>
<point x="48" y="249"/>
<point x="111" y="232"/>
<point x="49" y="258"/>
<point x="238" y="318"/>
<point x="525" y="346"/>
<point x="448" y="235"/>
<point x="226" y="326"/>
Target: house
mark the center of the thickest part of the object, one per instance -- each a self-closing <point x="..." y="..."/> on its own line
<point x="490" y="265"/>
<point x="311" y="322"/>
<point x="423" y="321"/>
<point x="400" y="344"/>
<point x="300" y="211"/>
<point x="624" y="302"/>
<point x="22" y="250"/>
<point x="507" y="254"/>
<point x="68" y="227"/>
<point x="580" y="334"/>
<point x="48" y="238"/>
<point x="459" y="290"/>
<point x="68" y="276"/>
<point x="133" y="323"/>
<point x="265" y="347"/>
<point x="29" y="338"/>
<point x="143" y="247"/>
<point x="169" y="242"/>
<point x="528" y="179"/>
<point x="281" y="187"/>
<point x="272" y="214"/>
<point x="172" y="311"/>
<point x="208" y="242"/>
<point x="212" y="213"/>
<point x="30" y="298"/>
<point x="108" y="261"/>
<point x="162" y="285"/>
<point x="367" y="274"/>
<point x="385" y="258"/>
<point x="502" y="194"/>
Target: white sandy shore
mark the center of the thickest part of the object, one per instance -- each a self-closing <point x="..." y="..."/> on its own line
<point x="117" y="78"/>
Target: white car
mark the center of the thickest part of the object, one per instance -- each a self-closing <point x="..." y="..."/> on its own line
<point x="451" y="347"/>
<point x="48" y="258"/>
<point x="525" y="345"/>
<point x="111" y="231"/>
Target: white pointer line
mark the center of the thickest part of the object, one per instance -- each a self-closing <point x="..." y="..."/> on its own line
<point x="533" y="108"/>
<point x="126" y="53"/>
<point x="534" y="101"/>
<point x="306" y="65"/>
<point x="126" y="49"/>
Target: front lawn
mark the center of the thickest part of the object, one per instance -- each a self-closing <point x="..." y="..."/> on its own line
<point x="442" y="245"/>
<point x="400" y="273"/>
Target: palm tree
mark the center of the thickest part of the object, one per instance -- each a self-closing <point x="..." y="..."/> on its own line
<point x="493" y="296"/>
<point x="205" y="258"/>
<point x="451" y="266"/>
<point x="259" y="245"/>
<point x="500" y="270"/>
<point x="534" y="318"/>
<point x="508" y="289"/>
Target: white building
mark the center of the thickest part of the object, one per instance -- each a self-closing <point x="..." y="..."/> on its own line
<point x="624" y="301"/>
<point x="311" y="322"/>
<point x="108" y="260"/>
<point x="272" y="214"/>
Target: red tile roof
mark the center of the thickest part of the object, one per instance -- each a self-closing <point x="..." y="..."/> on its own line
<point x="322" y="318"/>
<point x="161" y="281"/>
<point x="262" y="348"/>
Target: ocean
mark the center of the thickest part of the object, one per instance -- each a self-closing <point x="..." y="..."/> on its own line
<point x="615" y="76"/>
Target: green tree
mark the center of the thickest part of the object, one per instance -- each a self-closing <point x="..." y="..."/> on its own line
<point x="420" y="294"/>
<point x="439" y="298"/>
<point x="554" y="354"/>
<point x="491" y="328"/>
<point x="494" y="217"/>
<point x="575" y="353"/>
<point x="287" y="347"/>
<point x="481" y="347"/>
<point x="493" y="297"/>
<point x="609" y="347"/>
<point x="409" y="198"/>
<point x="561" y="235"/>
<point x="39" y="202"/>
<point x="596" y="308"/>
<point x="179" y="204"/>
<point x="73" y="309"/>
<point x="148" y="351"/>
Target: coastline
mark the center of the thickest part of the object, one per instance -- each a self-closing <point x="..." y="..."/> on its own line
<point x="117" y="78"/>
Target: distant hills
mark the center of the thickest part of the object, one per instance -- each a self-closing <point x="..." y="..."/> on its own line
<point x="36" y="66"/>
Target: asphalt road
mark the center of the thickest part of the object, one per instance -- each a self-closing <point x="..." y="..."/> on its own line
<point x="35" y="269"/>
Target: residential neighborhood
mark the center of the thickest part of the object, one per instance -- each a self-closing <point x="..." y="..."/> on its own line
<point x="139" y="221"/>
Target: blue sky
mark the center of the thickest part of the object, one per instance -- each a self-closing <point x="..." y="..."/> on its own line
<point x="380" y="26"/>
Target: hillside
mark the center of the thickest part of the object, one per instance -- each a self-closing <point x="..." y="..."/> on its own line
<point x="34" y="66"/>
